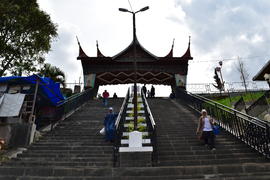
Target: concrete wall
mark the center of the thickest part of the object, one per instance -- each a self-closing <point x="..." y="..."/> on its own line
<point x="16" y="135"/>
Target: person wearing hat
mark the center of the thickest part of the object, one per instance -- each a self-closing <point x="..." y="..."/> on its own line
<point x="205" y="130"/>
<point x="109" y="122"/>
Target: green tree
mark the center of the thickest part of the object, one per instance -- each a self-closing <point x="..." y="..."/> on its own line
<point x="26" y="33"/>
<point x="54" y="73"/>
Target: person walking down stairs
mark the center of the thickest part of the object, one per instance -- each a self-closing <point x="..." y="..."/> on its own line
<point x="205" y="130"/>
<point x="109" y="122"/>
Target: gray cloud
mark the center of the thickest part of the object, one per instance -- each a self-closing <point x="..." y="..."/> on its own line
<point x="218" y="29"/>
<point x="229" y="29"/>
<point x="64" y="53"/>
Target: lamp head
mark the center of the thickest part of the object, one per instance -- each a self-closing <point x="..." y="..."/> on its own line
<point x="220" y="63"/>
<point x="145" y="8"/>
<point x="123" y="10"/>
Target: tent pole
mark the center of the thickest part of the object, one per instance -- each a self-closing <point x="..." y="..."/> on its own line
<point x="34" y="101"/>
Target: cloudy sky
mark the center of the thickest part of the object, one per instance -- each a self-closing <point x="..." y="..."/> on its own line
<point x="219" y="30"/>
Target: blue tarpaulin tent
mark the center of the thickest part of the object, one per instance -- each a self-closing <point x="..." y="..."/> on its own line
<point x="47" y="87"/>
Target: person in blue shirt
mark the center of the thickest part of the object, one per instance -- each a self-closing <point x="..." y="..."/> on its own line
<point x="109" y="124"/>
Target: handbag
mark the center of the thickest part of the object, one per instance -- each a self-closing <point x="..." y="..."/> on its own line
<point x="216" y="130"/>
<point x="102" y="131"/>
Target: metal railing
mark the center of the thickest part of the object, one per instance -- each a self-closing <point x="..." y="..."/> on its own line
<point x="119" y="128"/>
<point x="70" y="105"/>
<point x="202" y="88"/>
<point x="123" y="107"/>
<point x="252" y="131"/>
<point x="151" y="129"/>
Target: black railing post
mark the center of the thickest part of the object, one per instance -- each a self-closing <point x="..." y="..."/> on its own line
<point x="216" y="114"/>
<point x="267" y="150"/>
<point x="237" y="123"/>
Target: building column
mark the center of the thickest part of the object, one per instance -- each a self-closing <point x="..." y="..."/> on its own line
<point x="89" y="83"/>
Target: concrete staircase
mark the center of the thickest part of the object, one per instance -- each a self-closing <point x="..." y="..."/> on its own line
<point x="179" y="146"/>
<point x="75" y="150"/>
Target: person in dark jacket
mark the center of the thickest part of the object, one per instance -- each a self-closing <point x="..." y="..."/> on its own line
<point x="144" y="89"/>
<point x="109" y="124"/>
<point x="153" y="91"/>
<point x="105" y="96"/>
<point x="115" y="96"/>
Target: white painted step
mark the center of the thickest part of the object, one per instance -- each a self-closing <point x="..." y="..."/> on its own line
<point x="139" y="100"/>
<point x="144" y="141"/>
<point x="130" y="105"/>
<point x="139" y="112"/>
<point x="136" y="149"/>
<point x="143" y="133"/>
<point x="132" y="118"/>
<point x="140" y="124"/>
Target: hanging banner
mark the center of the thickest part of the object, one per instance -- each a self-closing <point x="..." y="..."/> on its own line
<point x="180" y="80"/>
<point x="89" y="80"/>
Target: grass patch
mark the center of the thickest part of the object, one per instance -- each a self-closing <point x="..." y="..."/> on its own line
<point x="248" y="98"/>
<point x="227" y="101"/>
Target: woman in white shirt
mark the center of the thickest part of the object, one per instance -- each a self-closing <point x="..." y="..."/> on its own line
<point x="205" y="129"/>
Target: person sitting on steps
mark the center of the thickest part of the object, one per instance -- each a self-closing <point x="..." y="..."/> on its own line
<point x="205" y="130"/>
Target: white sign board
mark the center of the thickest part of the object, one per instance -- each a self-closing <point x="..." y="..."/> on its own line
<point x="135" y="139"/>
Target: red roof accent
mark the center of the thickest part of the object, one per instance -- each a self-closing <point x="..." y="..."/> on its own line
<point x="81" y="52"/>
<point x="187" y="53"/>
<point x="99" y="54"/>
<point x="170" y="54"/>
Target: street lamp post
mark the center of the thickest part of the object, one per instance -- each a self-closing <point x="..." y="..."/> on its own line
<point x="223" y="85"/>
<point x="135" y="62"/>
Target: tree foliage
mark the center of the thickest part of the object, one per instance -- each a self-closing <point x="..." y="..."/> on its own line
<point x="219" y="85"/>
<point x="26" y="33"/>
<point x="53" y="72"/>
<point x="244" y="75"/>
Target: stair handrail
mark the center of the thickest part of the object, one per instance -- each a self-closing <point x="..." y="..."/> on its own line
<point x="252" y="131"/>
<point x="70" y="105"/>
<point x="153" y="123"/>
<point x="119" y="126"/>
<point x="121" y="110"/>
<point x="248" y="117"/>
<point x="152" y="129"/>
